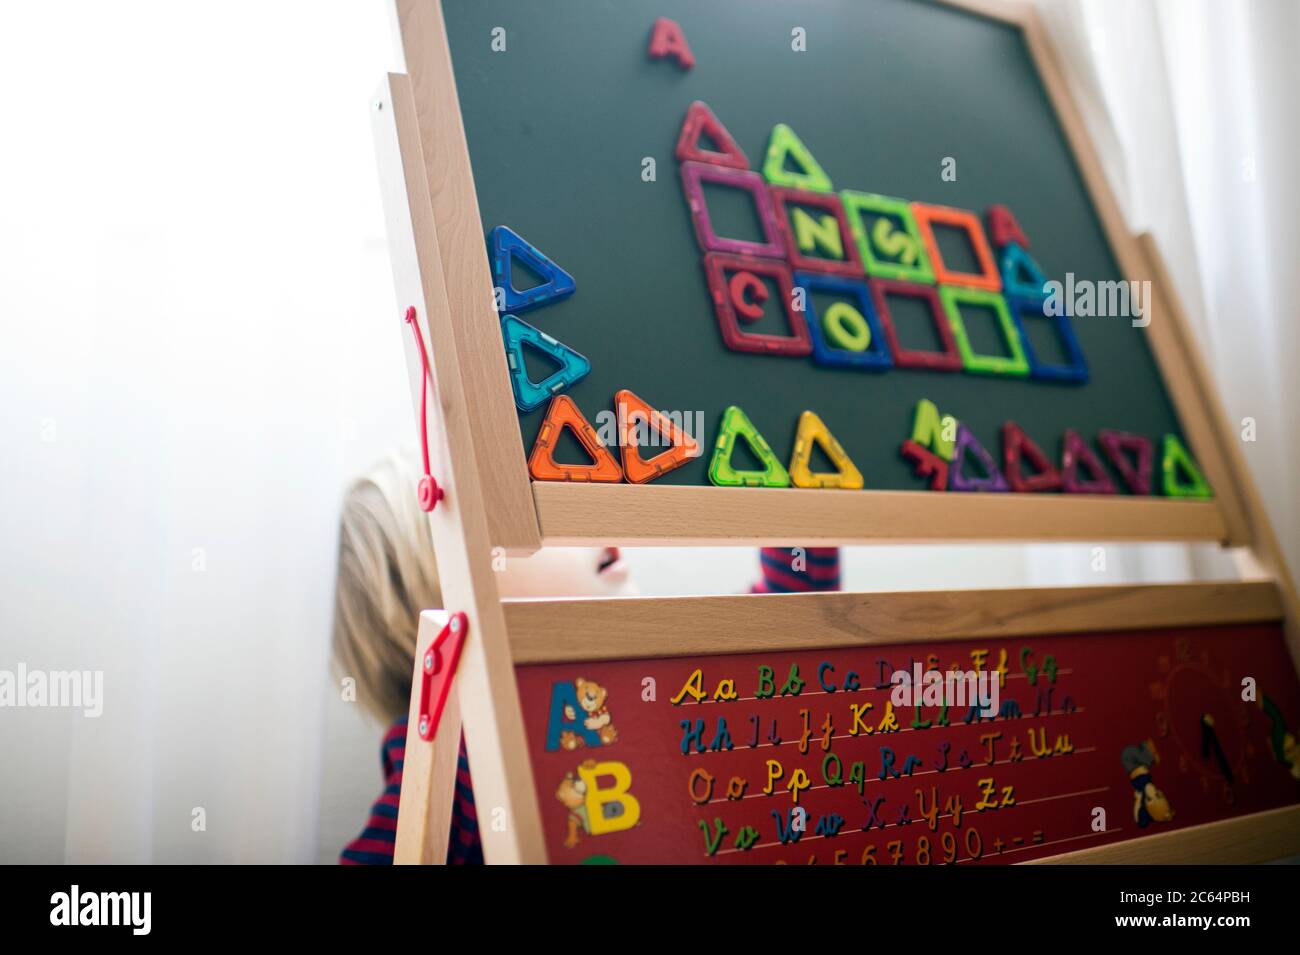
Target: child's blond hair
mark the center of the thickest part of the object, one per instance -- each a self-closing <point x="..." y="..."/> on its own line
<point x="386" y="576"/>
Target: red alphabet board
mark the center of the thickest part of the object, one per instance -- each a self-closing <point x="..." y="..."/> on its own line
<point x="1098" y="738"/>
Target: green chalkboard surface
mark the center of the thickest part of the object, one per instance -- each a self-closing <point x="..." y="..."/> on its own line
<point x="560" y="121"/>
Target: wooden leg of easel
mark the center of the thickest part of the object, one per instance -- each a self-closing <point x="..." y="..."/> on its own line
<point x="1218" y="449"/>
<point x="484" y="683"/>
<point x="429" y="770"/>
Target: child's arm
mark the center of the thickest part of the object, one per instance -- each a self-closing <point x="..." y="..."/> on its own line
<point x="375" y="844"/>
<point x="796" y="569"/>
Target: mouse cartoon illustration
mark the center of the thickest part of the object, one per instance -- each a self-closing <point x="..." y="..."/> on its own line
<point x="1149" y="803"/>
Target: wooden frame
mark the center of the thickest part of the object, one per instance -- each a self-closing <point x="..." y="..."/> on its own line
<point x="491" y="507"/>
<point x="1274" y="834"/>
<point x="557" y="631"/>
<point x="577" y="514"/>
<point x="493" y="723"/>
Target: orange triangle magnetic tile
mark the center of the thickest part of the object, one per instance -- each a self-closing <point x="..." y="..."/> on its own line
<point x="563" y="413"/>
<point x="639" y="470"/>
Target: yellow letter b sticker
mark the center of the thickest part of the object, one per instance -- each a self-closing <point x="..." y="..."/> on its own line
<point x="613" y="808"/>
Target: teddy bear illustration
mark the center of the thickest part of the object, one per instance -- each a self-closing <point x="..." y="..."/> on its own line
<point x="595" y="715"/>
<point x="572" y="794"/>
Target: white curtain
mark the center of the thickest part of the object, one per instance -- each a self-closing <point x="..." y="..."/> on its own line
<point x="1193" y="106"/>
<point x="198" y="347"/>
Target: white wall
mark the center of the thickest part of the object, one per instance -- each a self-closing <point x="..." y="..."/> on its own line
<point x="199" y="345"/>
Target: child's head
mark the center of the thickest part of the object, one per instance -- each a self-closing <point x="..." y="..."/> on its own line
<point x="387" y="575"/>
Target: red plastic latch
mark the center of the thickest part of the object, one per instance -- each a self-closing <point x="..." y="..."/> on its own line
<point x="437" y="668"/>
<point x="429" y="492"/>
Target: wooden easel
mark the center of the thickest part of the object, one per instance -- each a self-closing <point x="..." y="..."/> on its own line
<point x="491" y="507"/>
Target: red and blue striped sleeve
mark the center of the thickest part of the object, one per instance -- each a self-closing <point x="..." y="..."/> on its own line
<point x="375" y="844"/>
<point x="790" y="570"/>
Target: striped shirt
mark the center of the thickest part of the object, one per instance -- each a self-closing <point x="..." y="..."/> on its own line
<point x="375" y="844"/>
<point x="785" y="570"/>
<point x="791" y="570"/>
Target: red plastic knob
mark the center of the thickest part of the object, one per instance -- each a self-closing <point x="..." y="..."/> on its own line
<point x="430" y="493"/>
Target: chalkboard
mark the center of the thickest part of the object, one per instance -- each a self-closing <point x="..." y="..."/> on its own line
<point x="558" y="124"/>
<point x="714" y="767"/>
